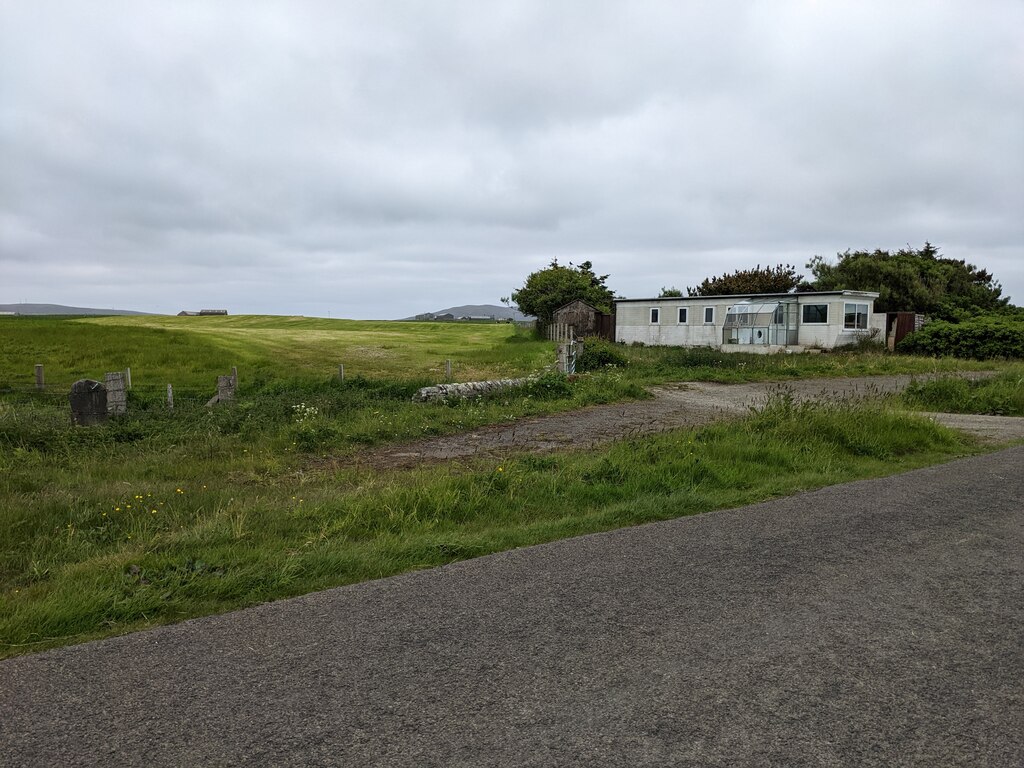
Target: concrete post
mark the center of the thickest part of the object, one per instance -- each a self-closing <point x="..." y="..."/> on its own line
<point x="117" y="394"/>
<point x="170" y="397"/>
<point x="39" y="377"/>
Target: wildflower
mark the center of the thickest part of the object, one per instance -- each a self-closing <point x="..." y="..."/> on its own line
<point x="178" y="490"/>
<point x="501" y="469"/>
<point x="117" y="509"/>
<point x="152" y="511"/>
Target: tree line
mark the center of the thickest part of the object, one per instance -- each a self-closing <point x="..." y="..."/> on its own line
<point x="908" y="280"/>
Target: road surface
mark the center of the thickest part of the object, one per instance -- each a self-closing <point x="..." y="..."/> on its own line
<point x="874" y="623"/>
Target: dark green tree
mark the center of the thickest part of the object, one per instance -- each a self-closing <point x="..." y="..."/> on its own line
<point x="548" y="289"/>
<point x="780" y="279"/>
<point x="669" y="293"/>
<point x="912" y="280"/>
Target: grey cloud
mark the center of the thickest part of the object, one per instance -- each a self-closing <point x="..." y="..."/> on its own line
<point x="379" y="159"/>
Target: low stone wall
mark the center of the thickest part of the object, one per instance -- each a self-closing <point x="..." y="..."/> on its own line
<point x="467" y="390"/>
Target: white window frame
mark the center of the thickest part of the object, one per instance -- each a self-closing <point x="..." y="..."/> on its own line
<point x="813" y="322"/>
<point x="708" y="310"/>
<point x="856" y="314"/>
<point x="682" y="315"/>
<point x="655" y="315"/>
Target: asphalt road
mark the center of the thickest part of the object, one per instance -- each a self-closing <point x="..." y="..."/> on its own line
<point x="873" y="623"/>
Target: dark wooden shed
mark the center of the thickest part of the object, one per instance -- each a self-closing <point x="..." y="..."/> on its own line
<point x="584" y="320"/>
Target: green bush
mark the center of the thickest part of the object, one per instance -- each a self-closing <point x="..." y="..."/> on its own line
<point x="597" y="353"/>
<point x="547" y="386"/>
<point x="981" y="338"/>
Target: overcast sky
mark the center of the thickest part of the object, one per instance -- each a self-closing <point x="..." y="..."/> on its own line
<point x="377" y="159"/>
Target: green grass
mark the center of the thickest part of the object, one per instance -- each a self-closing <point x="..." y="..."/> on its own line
<point x="652" y="365"/>
<point x="116" y="538"/>
<point x="1000" y="395"/>
<point x="247" y="510"/>
<point x="189" y="352"/>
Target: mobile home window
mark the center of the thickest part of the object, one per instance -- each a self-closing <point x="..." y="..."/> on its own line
<point x="816" y="313"/>
<point x="855" y="317"/>
<point x="682" y="314"/>
<point x="709" y="314"/>
<point x="655" y="315"/>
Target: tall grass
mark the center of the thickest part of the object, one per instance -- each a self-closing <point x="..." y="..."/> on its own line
<point x="1000" y="395"/>
<point x="119" y="539"/>
<point x="657" y="364"/>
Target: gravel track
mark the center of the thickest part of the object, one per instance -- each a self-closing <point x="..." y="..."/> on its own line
<point x="672" y="406"/>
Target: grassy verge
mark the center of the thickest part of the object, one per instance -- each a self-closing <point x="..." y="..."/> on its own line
<point x="112" y="537"/>
<point x="1000" y="395"/>
<point x="652" y="365"/>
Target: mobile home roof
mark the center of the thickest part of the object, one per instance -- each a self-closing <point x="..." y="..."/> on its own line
<point x="739" y="296"/>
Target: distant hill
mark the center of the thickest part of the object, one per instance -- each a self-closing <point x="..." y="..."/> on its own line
<point x="496" y="311"/>
<point x="60" y="309"/>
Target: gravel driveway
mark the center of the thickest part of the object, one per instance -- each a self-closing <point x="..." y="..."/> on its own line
<point x="672" y="406"/>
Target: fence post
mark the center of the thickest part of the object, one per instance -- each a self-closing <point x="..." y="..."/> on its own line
<point x="234" y="376"/>
<point x="448" y="370"/>
<point x="170" y="397"/>
<point x="341" y="372"/>
<point x="128" y="377"/>
<point x="39" y="377"/>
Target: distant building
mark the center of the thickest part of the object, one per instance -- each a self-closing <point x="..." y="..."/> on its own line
<point x="213" y="311"/>
<point x="186" y="313"/>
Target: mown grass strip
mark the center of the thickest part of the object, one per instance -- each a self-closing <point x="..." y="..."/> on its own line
<point x="91" y="553"/>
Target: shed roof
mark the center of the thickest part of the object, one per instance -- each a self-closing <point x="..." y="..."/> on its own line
<point x="577" y="301"/>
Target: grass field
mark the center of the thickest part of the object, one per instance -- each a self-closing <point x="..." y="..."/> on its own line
<point x="162" y="515"/>
<point x="189" y="352"/>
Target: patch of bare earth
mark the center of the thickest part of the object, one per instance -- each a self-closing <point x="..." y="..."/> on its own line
<point x="673" y="406"/>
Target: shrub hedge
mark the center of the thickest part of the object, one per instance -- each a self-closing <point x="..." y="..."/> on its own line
<point x="598" y="353"/>
<point x="980" y="338"/>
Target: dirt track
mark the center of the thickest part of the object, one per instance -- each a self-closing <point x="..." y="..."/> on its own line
<point x="673" y="406"/>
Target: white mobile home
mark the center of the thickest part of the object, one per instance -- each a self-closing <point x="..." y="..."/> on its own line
<point x="764" y="322"/>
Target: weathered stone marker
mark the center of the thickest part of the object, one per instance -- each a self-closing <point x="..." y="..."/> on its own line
<point x="225" y="390"/>
<point x="40" y="381"/>
<point x="88" y="403"/>
<point x="117" y="393"/>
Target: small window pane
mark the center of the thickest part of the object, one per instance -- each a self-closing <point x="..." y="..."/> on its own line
<point x="709" y="314"/>
<point x="654" y="315"/>
<point x="815" y="313"/>
<point x="855" y="317"/>
<point x="682" y="314"/>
